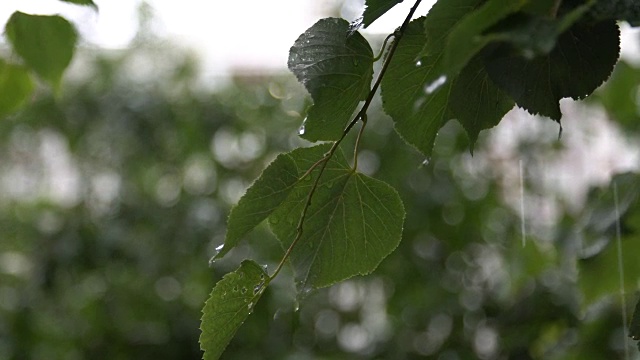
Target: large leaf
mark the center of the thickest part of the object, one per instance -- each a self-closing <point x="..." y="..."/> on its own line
<point x="352" y="224"/>
<point x="45" y="43"/>
<point x="15" y="87"/>
<point x="230" y="303"/>
<point x="467" y="39"/>
<point x="410" y="91"/>
<point x="336" y="67"/>
<point x="260" y="200"/>
<point x="583" y="58"/>
<point x="376" y="8"/>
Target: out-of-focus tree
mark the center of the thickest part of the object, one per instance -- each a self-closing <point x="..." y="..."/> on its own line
<point x="115" y="194"/>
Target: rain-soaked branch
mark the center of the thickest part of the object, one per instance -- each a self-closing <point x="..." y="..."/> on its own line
<point x="361" y="115"/>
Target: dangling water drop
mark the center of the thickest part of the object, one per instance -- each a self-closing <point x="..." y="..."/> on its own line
<point x="435" y="85"/>
<point x="301" y="130"/>
<point x="418" y="63"/>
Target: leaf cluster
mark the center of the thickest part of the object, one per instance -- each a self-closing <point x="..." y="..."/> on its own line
<point x="468" y="60"/>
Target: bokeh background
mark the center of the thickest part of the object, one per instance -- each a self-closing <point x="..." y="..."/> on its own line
<point x="115" y="192"/>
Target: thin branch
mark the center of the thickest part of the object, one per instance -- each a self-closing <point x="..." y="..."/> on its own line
<point x="362" y="115"/>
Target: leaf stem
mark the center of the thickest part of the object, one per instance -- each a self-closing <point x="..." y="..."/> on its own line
<point x="357" y="146"/>
<point x="362" y="115"/>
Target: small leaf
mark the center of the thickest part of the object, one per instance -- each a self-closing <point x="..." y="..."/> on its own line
<point x="582" y="59"/>
<point x="336" y="67"/>
<point x="260" y="200"/>
<point x="352" y="224"/>
<point x="230" y="303"/>
<point x="82" y="2"/>
<point x="419" y="97"/>
<point x="15" y="86"/>
<point x="376" y="8"/>
<point x="45" y="43"/>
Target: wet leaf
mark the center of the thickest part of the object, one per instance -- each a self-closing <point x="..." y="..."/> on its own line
<point x="230" y="303"/>
<point x="15" y="86"/>
<point x="336" y="67"/>
<point x="376" y="8"/>
<point x="260" y="200"/>
<point x="45" y="43"/>
<point x="420" y="98"/>
<point x="353" y="222"/>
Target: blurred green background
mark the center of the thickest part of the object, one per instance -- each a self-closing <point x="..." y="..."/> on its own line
<point x="114" y="195"/>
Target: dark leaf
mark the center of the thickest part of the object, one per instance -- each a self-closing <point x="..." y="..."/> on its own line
<point x="336" y="67"/>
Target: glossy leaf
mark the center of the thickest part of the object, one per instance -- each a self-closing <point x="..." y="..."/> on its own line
<point x="376" y="8"/>
<point x="45" y="43"/>
<point x="230" y="303"/>
<point x="15" y="86"/>
<point x="352" y="224"/>
<point x="582" y="60"/>
<point x="336" y="67"/>
<point x="419" y="97"/>
<point x="260" y="200"/>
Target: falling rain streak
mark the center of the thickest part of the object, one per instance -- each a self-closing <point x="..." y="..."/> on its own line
<point x="621" y="271"/>
<point x="522" y="220"/>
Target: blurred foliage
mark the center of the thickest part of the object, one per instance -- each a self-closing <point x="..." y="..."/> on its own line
<point x="115" y="194"/>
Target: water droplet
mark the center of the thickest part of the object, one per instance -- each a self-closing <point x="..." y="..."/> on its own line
<point x="426" y="161"/>
<point x="418" y="63"/>
<point x="235" y="289"/>
<point x="250" y="306"/>
<point x="258" y="288"/>
<point x="244" y="290"/>
<point x="219" y="248"/>
<point x="302" y="129"/>
<point x="296" y="306"/>
<point x="435" y="85"/>
<point x="212" y="260"/>
<point x="264" y="267"/>
<point x="354" y="26"/>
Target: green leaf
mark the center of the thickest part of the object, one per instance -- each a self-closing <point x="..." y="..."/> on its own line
<point x="467" y="39"/>
<point x="352" y="224"/>
<point x="475" y="101"/>
<point x="45" y="43"/>
<point x="260" y="200"/>
<point x="336" y="67"/>
<point x="582" y="59"/>
<point x="230" y="303"/>
<point x="82" y="2"/>
<point x="376" y="8"/>
<point x="410" y="91"/>
<point x="15" y="86"/>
